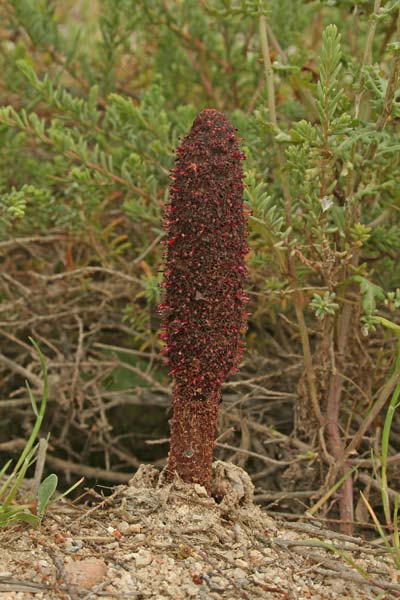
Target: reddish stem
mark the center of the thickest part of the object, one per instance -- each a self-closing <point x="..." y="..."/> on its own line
<point x="192" y="438"/>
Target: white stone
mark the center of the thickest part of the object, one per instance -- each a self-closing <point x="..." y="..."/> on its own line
<point x="143" y="558"/>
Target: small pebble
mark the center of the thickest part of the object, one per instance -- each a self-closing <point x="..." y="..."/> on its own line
<point x="85" y="573"/>
<point x="112" y="546"/>
<point x="124" y="527"/>
<point x="255" y="556"/>
<point x="200" y="490"/>
<point x="72" y="545"/>
<point x="241" y="563"/>
<point x="190" y="591"/>
<point x="143" y="558"/>
<point x="43" y="563"/>
<point x="219" y="582"/>
<point x="239" y="573"/>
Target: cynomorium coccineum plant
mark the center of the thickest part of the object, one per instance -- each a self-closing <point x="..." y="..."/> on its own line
<point x="203" y="310"/>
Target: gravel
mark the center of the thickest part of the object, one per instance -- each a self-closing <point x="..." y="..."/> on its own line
<point x="160" y="541"/>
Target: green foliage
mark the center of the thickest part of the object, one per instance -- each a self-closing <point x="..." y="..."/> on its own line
<point x="95" y="98"/>
<point x="99" y="111"/>
<point x="392" y="300"/>
<point x="45" y="491"/>
<point x="324" y="305"/>
<point x="38" y="20"/>
<point x="328" y="88"/>
<point x="265" y="218"/>
<point x="370" y="294"/>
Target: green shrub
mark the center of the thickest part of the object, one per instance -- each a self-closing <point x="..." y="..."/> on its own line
<point x="92" y="111"/>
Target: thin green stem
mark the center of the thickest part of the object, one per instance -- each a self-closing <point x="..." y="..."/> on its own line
<point x="297" y="294"/>
<point x="27" y="453"/>
<point x="269" y="77"/>
<point x="385" y="440"/>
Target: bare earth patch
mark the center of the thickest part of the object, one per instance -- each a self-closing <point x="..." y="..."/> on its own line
<point x="166" y="541"/>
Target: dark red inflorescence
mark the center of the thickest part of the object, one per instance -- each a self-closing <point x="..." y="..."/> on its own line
<point x="203" y="311"/>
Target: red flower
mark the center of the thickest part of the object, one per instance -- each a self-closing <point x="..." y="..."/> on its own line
<point x="204" y="303"/>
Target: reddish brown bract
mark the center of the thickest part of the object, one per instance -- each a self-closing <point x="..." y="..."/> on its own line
<point x="203" y="311"/>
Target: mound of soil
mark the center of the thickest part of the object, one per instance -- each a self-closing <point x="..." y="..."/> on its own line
<point x="157" y="540"/>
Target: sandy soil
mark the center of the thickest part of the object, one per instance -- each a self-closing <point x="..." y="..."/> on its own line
<point x="156" y="541"/>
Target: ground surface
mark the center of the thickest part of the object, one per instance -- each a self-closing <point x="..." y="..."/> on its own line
<point x="174" y="541"/>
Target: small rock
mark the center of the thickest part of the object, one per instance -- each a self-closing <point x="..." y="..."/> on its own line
<point x="135" y="528"/>
<point x="190" y="591"/>
<point x="125" y="580"/>
<point x="171" y="591"/>
<point x="172" y="577"/>
<point x="197" y="518"/>
<point x="124" y="527"/>
<point x="239" y="573"/>
<point x="73" y="545"/>
<point x="241" y="563"/>
<point x="146" y="476"/>
<point x="143" y="558"/>
<point x="200" y="490"/>
<point x="142" y="577"/>
<point x="232" y="484"/>
<point x="218" y="582"/>
<point x="255" y="556"/>
<point x="44" y="567"/>
<point x="240" y="535"/>
<point x="86" y="573"/>
<point x="258" y="578"/>
<point x="42" y="563"/>
<point x="182" y="510"/>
